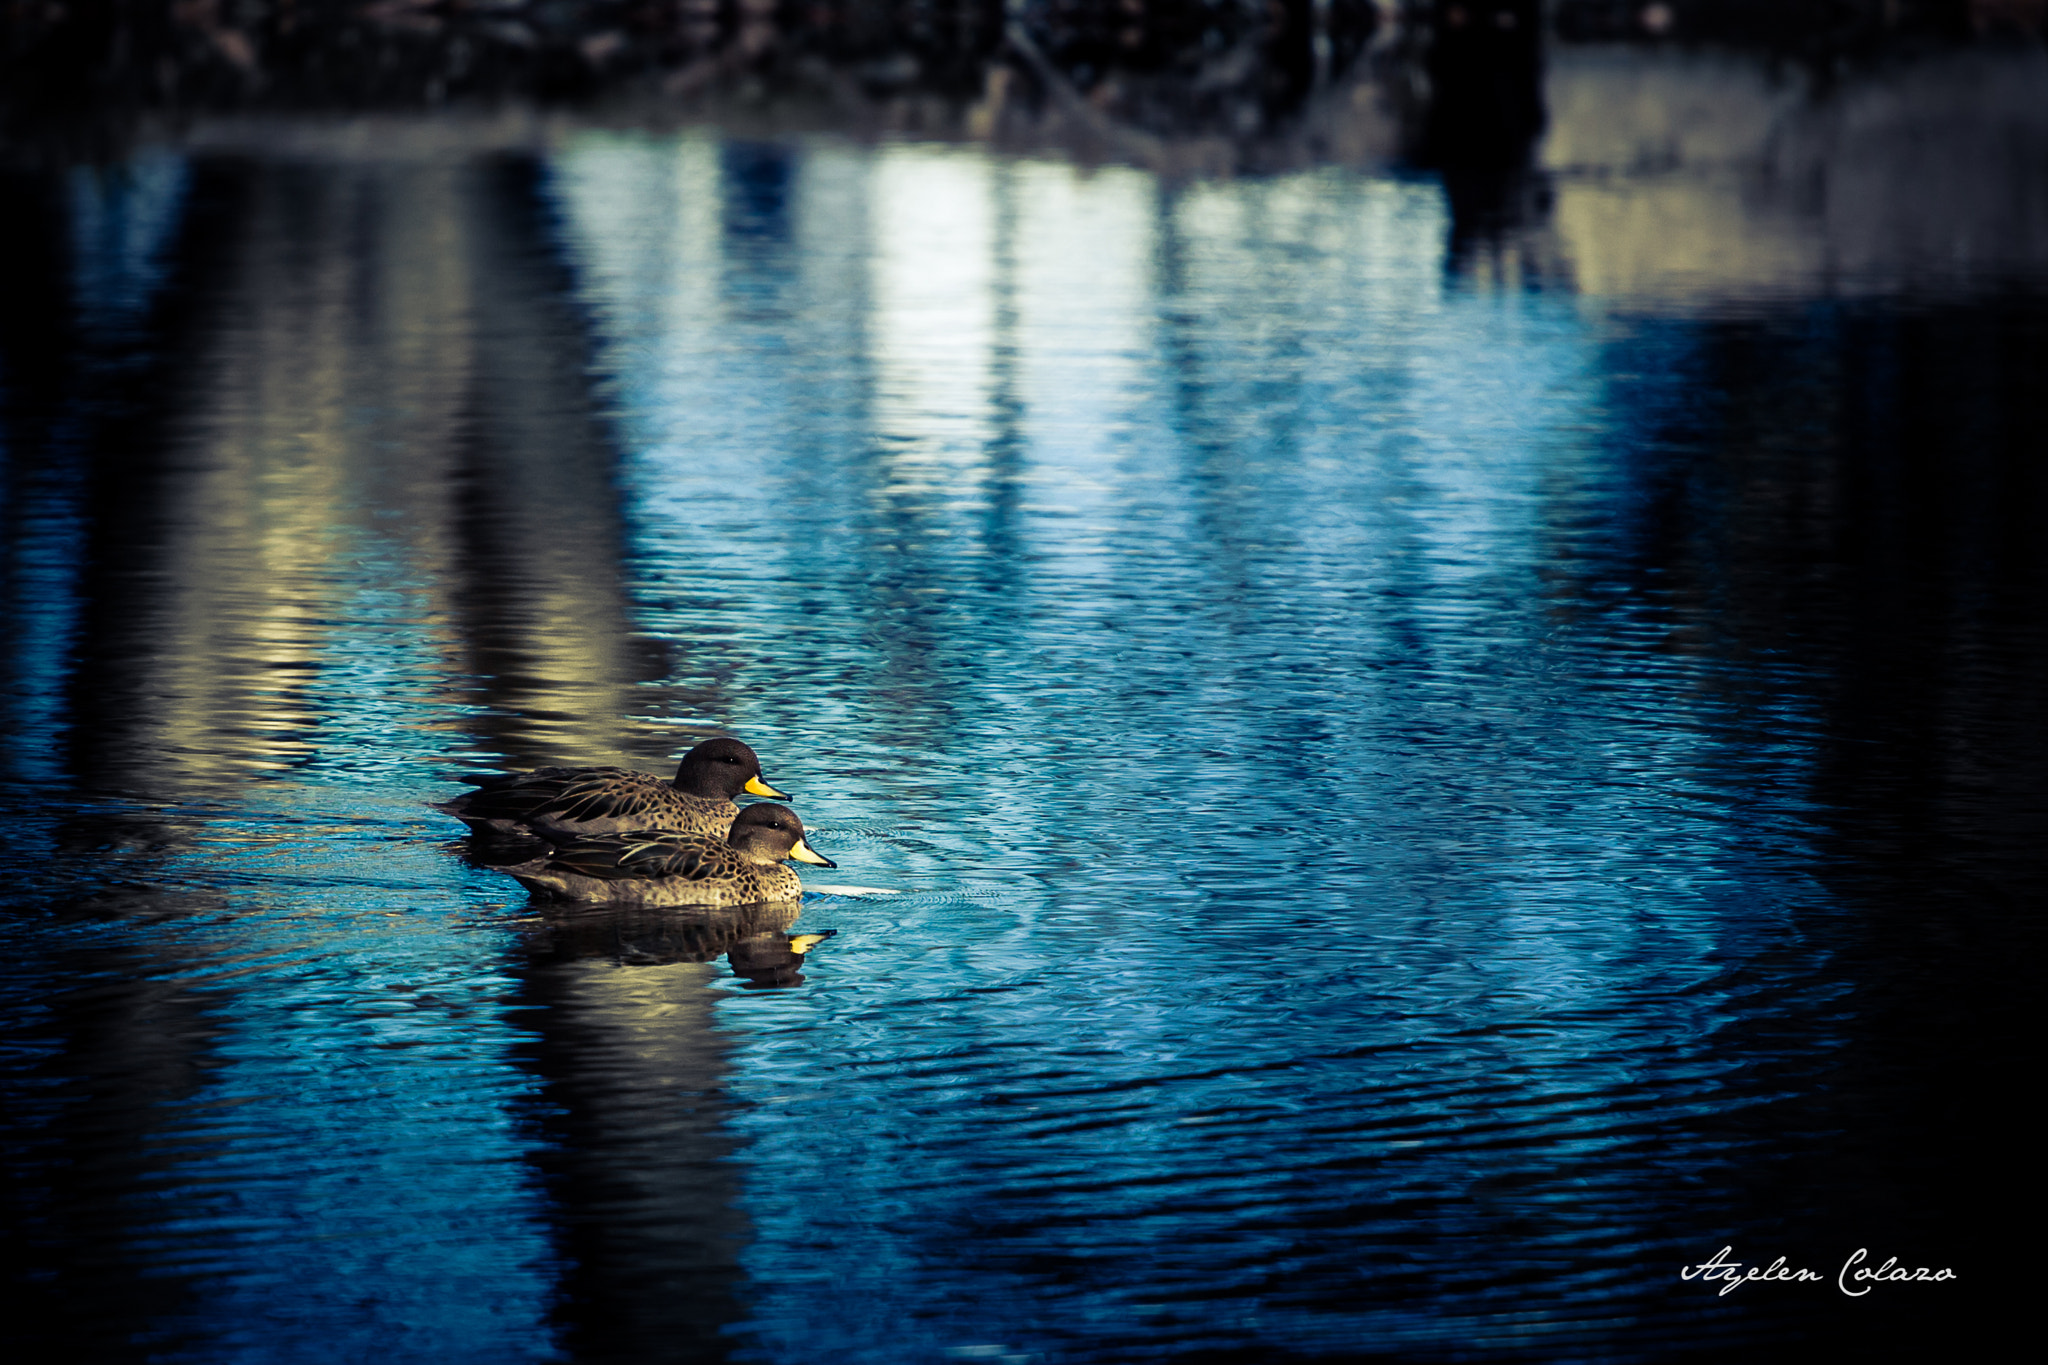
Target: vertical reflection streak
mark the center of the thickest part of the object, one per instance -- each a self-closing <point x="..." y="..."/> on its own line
<point x="932" y="324"/>
<point x="66" y="360"/>
<point x="543" y="612"/>
<point x="632" y="1149"/>
<point x="1084" y="279"/>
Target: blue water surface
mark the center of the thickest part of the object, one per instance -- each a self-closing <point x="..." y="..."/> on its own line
<point x="1382" y="810"/>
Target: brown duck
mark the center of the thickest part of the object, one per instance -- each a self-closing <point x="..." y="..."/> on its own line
<point x="571" y="803"/>
<point x="663" y="867"/>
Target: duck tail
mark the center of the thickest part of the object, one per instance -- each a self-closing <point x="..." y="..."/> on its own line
<point x="488" y="828"/>
<point x="535" y="875"/>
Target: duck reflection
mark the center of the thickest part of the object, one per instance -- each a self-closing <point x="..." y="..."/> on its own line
<point x="754" y="939"/>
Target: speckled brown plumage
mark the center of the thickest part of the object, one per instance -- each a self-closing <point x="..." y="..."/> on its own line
<point x="662" y="867"/>
<point x="561" y="804"/>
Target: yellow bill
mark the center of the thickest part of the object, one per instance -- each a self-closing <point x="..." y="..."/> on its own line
<point x="760" y="788"/>
<point x="804" y="853"/>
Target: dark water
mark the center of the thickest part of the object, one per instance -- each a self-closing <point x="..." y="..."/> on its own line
<point x="1421" y="795"/>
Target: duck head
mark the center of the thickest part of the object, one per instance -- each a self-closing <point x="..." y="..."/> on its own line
<point x="720" y="769"/>
<point x="769" y="833"/>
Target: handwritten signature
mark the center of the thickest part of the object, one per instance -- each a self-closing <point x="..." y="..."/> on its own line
<point x="1731" y="1273"/>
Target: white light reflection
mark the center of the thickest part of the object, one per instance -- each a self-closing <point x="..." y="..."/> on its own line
<point x="1084" y="300"/>
<point x="651" y="272"/>
<point x="932" y="320"/>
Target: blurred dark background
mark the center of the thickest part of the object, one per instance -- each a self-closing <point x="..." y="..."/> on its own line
<point x="85" y="74"/>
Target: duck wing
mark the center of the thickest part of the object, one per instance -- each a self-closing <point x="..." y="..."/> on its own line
<point x="522" y="796"/>
<point x="627" y="797"/>
<point x="653" y="856"/>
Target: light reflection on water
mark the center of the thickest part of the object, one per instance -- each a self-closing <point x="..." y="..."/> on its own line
<point x="1401" y="840"/>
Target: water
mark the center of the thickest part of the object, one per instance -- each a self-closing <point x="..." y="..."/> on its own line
<point x="1427" y="780"/>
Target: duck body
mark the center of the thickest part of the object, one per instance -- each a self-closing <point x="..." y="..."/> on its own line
<point x="668" y="867"/>
<point x="565" y="804"/>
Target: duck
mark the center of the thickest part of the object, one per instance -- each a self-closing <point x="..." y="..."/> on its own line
<point x="560" y="804"/>
<point x="669" y="867"/>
